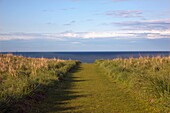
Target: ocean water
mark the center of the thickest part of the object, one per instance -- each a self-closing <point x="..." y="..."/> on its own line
<point x="88" y="57"/>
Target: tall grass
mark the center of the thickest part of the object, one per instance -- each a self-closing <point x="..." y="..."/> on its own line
<point x="148" y="78"/>
<point x="21" y="77"/>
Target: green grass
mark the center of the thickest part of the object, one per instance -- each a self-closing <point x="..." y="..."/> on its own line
<point x="23" y="81"/>
<point x="148" y="79"/>
<point x="89" y="90"/>
<point x="38" y="85"/>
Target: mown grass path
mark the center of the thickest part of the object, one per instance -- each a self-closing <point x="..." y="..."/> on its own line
<point x="88" y="90"/>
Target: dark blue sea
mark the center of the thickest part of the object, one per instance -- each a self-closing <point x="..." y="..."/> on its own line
<point x="88" y="57"/>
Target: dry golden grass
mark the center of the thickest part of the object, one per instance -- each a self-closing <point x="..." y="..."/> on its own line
<point x="21" y="76"/>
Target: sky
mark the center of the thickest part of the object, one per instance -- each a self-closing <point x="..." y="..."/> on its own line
<point x="84" y="25"/>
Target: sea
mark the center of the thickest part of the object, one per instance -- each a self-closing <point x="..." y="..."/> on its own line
<point x="89" y="57"/>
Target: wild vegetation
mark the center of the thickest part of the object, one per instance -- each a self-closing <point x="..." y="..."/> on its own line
<point x="147" y="78"/>
<point x="27" y="79"/>
<point x="89" y="90"/>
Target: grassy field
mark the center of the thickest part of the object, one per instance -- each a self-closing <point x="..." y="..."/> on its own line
<point x="23" y="81"/>
<point x="148" y="79"/>
<point x="39" y="85"/>
<point x="89" y="90"/>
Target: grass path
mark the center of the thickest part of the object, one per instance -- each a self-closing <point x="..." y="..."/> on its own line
<point x="88" y="90"/>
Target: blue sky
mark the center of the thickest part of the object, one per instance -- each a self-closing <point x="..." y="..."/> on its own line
<point x="84" y="25"/>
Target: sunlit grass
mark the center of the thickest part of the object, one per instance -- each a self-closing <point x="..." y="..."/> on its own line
<point x="21" y="77"/>
<point x="89" y="90"/>
<point x="148" y="78"/>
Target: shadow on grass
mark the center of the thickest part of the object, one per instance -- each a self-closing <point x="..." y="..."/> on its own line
<point x="59" y="94"/>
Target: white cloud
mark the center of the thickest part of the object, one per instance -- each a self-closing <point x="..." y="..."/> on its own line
<point x="161" y="24"/>
<point x="76" y="42"/>
<point x="106" y="34"/>
<point x="125" y="13"/>
<point x="15" y="37"/>
<point x="119" y="34"/>
<point x="125" y="34"/>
